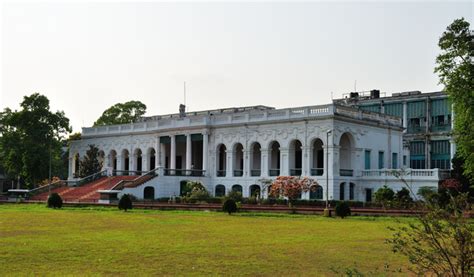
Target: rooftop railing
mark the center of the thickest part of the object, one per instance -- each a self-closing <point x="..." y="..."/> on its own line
<point x="239" y="117"/>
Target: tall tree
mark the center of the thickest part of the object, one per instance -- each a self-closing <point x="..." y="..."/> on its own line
<point x="456" y="72"/>
<point x="122" y="113"/>
<point x="29" y="137"/>
<point x="90" y="164"/>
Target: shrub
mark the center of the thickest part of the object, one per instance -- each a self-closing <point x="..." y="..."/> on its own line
<point x="229" y="206"/>
<point x="403" y="198"/>
<point x="234" y="195"/>
<point x="125" y="203"/>
<point x="198" y="195"/>
<point x="384" y="196"/>
<point x="55" y="201"/>
<point x="343" y="209"/>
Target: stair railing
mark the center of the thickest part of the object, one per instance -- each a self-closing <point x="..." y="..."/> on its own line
<point x="88" y="179"/>
<point x="46" y="188"/>
<point x="153" y="173"/>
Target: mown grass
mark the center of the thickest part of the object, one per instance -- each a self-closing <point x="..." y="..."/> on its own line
<point x="35" y="240"/>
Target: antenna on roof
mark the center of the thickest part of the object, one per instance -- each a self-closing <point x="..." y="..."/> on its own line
<point x="355" y="85"/>
<point x="184" y="93"/>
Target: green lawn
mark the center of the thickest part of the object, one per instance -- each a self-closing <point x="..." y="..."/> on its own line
<point x="35" y="240"/>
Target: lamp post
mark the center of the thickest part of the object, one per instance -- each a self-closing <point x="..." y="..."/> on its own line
<point x="327" y="173"/>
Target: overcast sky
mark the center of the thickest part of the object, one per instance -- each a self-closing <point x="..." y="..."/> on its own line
<point x="87" y="57"/>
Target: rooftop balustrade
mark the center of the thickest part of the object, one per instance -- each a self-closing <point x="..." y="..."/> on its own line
<point x="159" y="123"/>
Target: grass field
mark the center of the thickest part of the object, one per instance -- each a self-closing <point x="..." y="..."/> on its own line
<point x="35" y="240"/>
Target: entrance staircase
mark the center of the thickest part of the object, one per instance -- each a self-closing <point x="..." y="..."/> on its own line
<point x="85" y="193"/>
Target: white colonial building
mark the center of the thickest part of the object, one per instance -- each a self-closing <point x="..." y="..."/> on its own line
<point x="349" y="151"/>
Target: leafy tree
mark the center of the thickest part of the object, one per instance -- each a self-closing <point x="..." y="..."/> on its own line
<point x="441" y="240"/>
<point x="28" y="138"/>
<point x="90" y="164"/>
<point x="456" y="72"/>
<point x="291" y="187"/>
<point x="122" y="113"/>
<point x="125" y="203"/>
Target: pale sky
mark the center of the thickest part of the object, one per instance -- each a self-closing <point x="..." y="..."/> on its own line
<point x="86" y="57"/>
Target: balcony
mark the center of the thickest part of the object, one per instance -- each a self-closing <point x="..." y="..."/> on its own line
<point x="346" y="172"/>
<point x="238" y="173"/>
<point x="274" y="172"/>
<point x="317" y="171"/>
<point x="416" y="129"/>
<point x="295" y="172"/>
<point x="184" y="172"/>
<point x="441" y="128"/>
<point x="255" y="172"/>
<point x="408" y="174"/>
<point x="220" y="173"/>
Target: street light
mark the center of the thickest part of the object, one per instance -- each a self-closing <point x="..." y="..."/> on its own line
<point x="327" y="169"/>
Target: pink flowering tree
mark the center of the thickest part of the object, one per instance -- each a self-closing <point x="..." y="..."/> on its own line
<point x="291" y="187"/>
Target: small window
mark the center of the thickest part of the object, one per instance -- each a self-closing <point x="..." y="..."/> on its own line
<point x="394" y="160"/>
<point x="404" y="160"/>
<point x="381" y="159"/>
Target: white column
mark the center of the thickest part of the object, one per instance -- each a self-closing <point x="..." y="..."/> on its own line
<point x="119" y="163"/>
<point x="70" y="164"/>
<point x="205" y="152"/>
<point x="188" y="152"/>
<point x="405" y="116"/>
<point x="162" y="154"/>
<point x="158" y="153"/>
<point x="247" y="158"/>
<point x="173" y="153"/>
<point x="284" y="162"/>
<point x="264" y="162"/>
<point x="145" y="162"/>
<point x="229" y="163"/>
<point x="306" y="167"/>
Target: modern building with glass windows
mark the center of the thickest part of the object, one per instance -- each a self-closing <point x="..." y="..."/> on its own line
<point x="350" y="152"/>
<point x="427" y="121"/>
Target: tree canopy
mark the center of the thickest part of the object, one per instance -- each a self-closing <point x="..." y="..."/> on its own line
<point x="28" y="136"/>
<point x="122" y="113"/>
<point x="456" y="72"/>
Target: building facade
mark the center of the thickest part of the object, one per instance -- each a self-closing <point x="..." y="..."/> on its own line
<point x="348" y="151"/>
<point x="427" y="120"/>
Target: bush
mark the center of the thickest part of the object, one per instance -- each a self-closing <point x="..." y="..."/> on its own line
<point x="234" y="195"/>
<point x="125" y="203"/>
<point x="343" y="209"/>
<point x="384" y="196"/>
<point x="198" y="195"/>
<point x="229" y="206"/>
<point x="403" y="198"/>
<point x="55" y="201"/>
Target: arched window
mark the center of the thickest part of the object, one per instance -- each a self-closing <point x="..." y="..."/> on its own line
<point x="342" y="187"/>
<point x="317" y="158"/>
<point x="316" y="193"/>
<point x="351" y="191"/>
<point x="295" y="158"/>
<point x="149" y="193"/>
<point x="345" y="155"/>
<point x="238" y="160"/>
<point x="237" y="188"/>
<point x="220" y="191"/>
<point x="221" y="161"/>
<point x="255" y="159"/>
<point x="255" y="191"/>
<point x="274" y="159"/>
